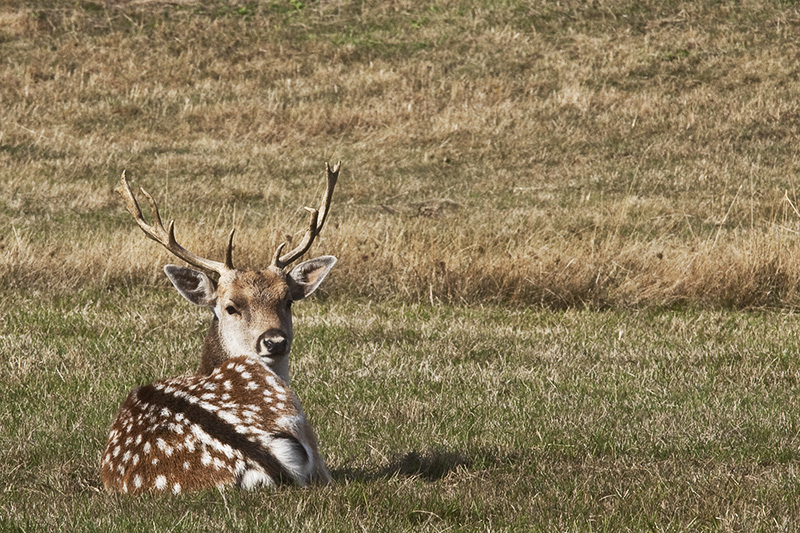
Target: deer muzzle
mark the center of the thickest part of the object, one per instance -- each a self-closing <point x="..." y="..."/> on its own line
<point x="273" y="343"/>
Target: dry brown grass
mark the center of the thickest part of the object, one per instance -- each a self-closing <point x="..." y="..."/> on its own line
<point x="624" y="154"/>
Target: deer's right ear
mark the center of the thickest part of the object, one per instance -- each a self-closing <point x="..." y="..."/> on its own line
<point x="193" y="285"/>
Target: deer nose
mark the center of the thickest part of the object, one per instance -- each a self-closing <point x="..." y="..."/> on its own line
<point x="273" y="343"/>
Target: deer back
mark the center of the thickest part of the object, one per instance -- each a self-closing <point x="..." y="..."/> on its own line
<point x="240" y="425"/>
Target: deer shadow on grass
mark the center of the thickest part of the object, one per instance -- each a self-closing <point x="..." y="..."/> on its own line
<point x="431" y="465"/>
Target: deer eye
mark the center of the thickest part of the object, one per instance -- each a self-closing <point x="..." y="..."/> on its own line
<point x="231" y="310"/>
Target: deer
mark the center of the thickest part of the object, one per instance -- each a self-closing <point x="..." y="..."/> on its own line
<point x="235" y="422"/>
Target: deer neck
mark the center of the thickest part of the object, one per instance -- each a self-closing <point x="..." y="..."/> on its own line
<point x="214" y="354"/>
<point x="281" y="367"/>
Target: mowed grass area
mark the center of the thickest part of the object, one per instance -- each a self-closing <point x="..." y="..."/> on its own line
<point x="567" y="242"/>
<point x="431" y="418"/>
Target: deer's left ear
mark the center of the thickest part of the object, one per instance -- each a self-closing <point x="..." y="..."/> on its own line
<point x="306" y="277"/>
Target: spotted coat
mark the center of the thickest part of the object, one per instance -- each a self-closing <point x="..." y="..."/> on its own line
<point x="240" y="425"/>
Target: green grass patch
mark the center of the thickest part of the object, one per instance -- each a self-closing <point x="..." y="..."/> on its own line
<point x="430" y="416"/>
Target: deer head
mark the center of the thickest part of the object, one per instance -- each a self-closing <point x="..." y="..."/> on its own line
<point x="251" y="308"/>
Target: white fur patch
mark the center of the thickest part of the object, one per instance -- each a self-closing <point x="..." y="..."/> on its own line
<point x="287" y="423"/>
<point x="296" y="462"/>
<point x="253" y="479"/>
<point x="230" y="418"/>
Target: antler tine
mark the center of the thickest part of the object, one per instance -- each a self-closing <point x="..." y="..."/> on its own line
<point x="165" y="237"/>
<point x="276" y="256"/>
<point x="229" y="251"/>
<point x="315" y="224"/>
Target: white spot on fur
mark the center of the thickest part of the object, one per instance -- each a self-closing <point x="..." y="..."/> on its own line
<point x="229" y="452"/>
<point x="137" y="481"/>
<point x="229" y="418"/>
<point x="176" y="488"/>
<point x="287" y="423"/>
<point x="210" y="407"/>
<point x="161" y="482"/>
<point x="146" y="447"/>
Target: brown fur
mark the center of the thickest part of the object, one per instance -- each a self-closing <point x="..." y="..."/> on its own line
<point x="213" y="354"/>
<point x="195" y="432"/>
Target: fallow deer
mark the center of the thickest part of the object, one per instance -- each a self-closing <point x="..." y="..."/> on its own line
<point x="235" y="422"/>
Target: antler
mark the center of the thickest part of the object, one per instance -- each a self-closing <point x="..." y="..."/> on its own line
<point x="167" y="238"/>
<point x="317" y="220"/>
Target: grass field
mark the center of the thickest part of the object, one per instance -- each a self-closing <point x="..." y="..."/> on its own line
<point x="567" y="239"/>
